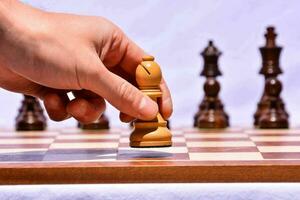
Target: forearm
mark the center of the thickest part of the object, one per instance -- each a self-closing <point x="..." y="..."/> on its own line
<point x="17" y="17"/>
<point x="20" y="26"/>
<point x="16" y="32"/>
<point x="8" y="3"/>
<point x="6" y="15"/>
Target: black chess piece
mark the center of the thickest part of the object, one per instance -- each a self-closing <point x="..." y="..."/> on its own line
<point x="270" y="68"/>
<point x="275" y="116"/>
<point x="30" y="116"/>
<point x="211" y="112"/>
<point x="100" y="124"/>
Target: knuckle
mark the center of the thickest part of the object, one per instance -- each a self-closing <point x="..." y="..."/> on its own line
<point x="131" y="96"/>
<point x="117" y="35"/>
<point x="128" y="95"/>
<point x="125" y="91"/>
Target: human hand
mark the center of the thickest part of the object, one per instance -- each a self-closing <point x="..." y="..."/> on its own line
<point x="47" y="55"/>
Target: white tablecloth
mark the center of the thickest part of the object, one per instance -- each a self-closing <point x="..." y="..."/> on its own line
<point x="224" y="191"/>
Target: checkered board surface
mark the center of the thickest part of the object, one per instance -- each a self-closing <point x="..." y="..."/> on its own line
<point x="234" y="147"/>
<point x="73" y="145"/>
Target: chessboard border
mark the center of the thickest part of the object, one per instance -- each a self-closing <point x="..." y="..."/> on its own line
<point x="150" y="172"/>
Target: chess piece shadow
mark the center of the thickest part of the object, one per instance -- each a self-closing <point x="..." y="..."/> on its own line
<point x="140" y="154"/>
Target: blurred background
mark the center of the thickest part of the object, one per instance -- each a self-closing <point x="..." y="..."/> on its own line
<point x="175" y="32"/>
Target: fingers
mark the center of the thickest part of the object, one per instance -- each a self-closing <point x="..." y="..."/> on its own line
<point x="165" y="103"/>
<point x="131" y="59"/>
<point x="132" y="56"/>
<point x="55" y="105"/>
<point x="86" y="107"/>
<point x="121" y="94"/>
<point x="86" y="110"/>
<point x="126" y="118"/>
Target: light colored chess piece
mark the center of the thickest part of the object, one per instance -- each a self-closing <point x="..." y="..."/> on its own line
<point x="153" y="133"/>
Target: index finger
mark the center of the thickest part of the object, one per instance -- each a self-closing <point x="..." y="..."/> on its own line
<point x="132" y="58"/>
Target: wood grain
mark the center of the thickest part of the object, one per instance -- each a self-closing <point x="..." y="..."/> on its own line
<point x="56" y="164"/>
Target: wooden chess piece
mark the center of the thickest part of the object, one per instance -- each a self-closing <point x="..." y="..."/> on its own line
<point x="30" y="117"/>
<point x="168" y="124"/>
<point x="270" y="68"/>
<point x="211" y="112"/>
<point x="275" y="116"/>
<point x="201" y="108"/>
<point x="100" y="124"/>
<point x="153" y="133"/>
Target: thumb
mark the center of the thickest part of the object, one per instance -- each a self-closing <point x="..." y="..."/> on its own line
<point x="121" y="94"/>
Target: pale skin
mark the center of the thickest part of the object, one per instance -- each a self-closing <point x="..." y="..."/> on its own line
<point x="47" y="55"/>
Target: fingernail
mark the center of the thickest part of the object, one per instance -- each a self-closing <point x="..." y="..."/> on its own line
<point x="147" y="108"/>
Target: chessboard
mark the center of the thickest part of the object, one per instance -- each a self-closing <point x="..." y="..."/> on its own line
<point x="77" y="156"/>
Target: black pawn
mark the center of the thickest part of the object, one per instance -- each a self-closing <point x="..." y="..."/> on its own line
<point x="211" y="112"/>
<point x="100" y="124"/>
<point x="30" y="116"/>
<point x="275" y="116"/>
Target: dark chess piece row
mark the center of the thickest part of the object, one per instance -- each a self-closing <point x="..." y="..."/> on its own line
<point x="31" y="117"/>
<point x="270" y="111"/>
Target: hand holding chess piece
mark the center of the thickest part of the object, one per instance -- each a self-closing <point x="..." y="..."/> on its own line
<point x="152" y="133"/>
<point x="96" y="63"/>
